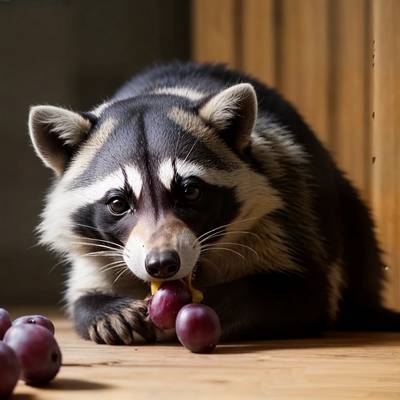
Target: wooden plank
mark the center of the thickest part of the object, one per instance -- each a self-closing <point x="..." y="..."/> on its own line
<point x="351" y="60"/>
<point x="386" y="138"/>
<point x="259" y="41"/>
<point x="215" y="31"/>
<point x="257" y="370"/>
<point x="303" y="64"/>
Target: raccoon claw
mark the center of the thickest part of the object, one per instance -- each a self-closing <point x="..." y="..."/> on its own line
<point x="127" y="325"/>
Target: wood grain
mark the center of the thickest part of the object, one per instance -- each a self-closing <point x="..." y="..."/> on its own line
<point x="303" y="73"/>
<point x="319" y="55"/>
<point x="350" y="114"/>
<point x="386" y="138"/>
<point x="356" y="366"/>
<point x="259" y="39"/>
<point x="216" y="31"/>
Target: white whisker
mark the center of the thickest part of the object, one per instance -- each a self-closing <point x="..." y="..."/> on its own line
<point x="234" y="244"/>
<point x="113" y="264"/>
<point x="101" y="246"/>
<point x="119" y="275"/>
<point x="191" y="149"/>
<point x="219" y="234"/>
<point x="61" y="262"/>
<point x="101" y="253"/>
<point x="101" y="241"/>
<point x="223" y="248"/>
<point x="204" y="258"/>
<point x="224" y="226"/>
<point x="114" y="267"/>
<point x="95" y="239"/>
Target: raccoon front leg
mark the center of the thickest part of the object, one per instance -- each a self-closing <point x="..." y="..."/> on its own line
<point x="110" y="319"/>
<point x="100" y="314"/>
<point x="270" y="305"/>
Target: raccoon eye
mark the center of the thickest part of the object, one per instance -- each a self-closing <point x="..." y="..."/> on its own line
<point x="191" y="191"/>
<point x="118" y="206"/>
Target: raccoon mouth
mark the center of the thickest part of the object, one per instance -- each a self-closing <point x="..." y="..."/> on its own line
<point x="197" y="295"/>
<point x="187" y="280"/>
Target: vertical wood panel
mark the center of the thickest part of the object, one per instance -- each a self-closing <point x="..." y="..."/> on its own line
<point x="259" y="41"/>
<point x="350" y="112"/>
<point x="303" y="65"/>
<point x="319" y="55"/>
<point x="386" y="137"/>
<point x="215" y="32"/>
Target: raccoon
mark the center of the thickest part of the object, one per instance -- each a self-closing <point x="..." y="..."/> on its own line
<point x="198" y="172"/>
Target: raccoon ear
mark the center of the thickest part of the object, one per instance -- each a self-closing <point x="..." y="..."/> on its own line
<point x="233" y="113"/>
<point x="55" y="132"/>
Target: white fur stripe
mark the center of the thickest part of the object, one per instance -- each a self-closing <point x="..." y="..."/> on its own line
<point x="253" y="189"/>
<point x="185" y="169"/>
<point x="100" y="108"/>
<point x="166" y="173"/>
<point x="186" y="92"/>
<point x="115" y="180"/>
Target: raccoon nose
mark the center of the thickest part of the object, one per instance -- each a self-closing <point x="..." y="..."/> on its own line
<point x="162" y="264"/>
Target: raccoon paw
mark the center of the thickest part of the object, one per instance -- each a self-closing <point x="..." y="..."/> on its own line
<point x="126" y="323"/>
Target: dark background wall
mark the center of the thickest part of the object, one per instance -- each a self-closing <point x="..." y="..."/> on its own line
<point x="71" y="53"/>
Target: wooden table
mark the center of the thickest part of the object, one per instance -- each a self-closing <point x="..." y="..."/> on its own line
<point x="341" y="366"/>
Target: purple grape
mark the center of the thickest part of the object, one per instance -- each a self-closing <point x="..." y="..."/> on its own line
<point x="37" y="351"/>
<point x="198" y="328"/>
<point x="35" y="319"/>
<point x="10" y="370"/>
<point x="167" y="302"/>
<point x="5" y="322"/>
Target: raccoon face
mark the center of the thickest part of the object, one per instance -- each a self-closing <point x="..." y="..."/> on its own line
<point x="151" y="179"/>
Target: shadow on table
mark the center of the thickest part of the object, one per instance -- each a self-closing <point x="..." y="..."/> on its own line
<point x="23" y="396"/>
<point x="75" y="384"/>
<point x="330" y="340"/>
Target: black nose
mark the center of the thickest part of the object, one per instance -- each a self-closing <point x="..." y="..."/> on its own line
<point x="162" y="264"/>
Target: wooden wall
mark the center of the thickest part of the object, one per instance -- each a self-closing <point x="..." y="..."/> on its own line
<point x="338" y="61"/>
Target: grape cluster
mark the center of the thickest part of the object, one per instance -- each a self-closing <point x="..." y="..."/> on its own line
<point x="28" y="350"/>
<point x="197" y="325"/>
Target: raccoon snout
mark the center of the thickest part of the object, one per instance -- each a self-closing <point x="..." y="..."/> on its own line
<point x="162" y="264"/>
